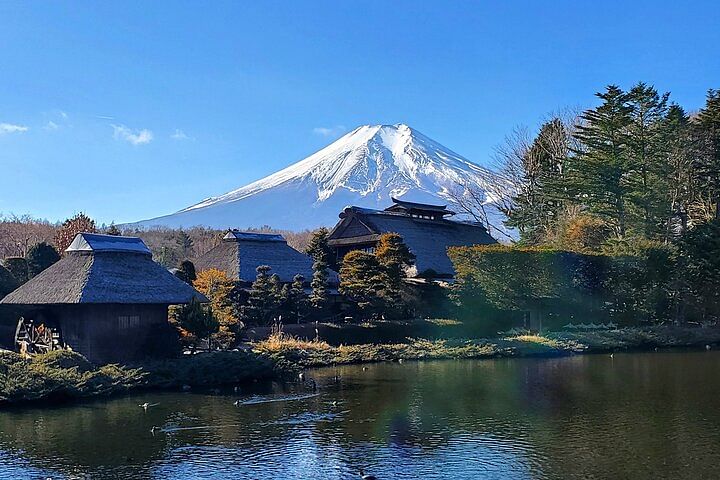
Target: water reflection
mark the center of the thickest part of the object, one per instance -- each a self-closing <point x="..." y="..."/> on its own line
<point x="632" y="416"/>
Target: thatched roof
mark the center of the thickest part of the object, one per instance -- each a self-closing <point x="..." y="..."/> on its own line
<point x="240" y="253"/>
<point x="427" y="239"/>
<point x="101" y="270"/>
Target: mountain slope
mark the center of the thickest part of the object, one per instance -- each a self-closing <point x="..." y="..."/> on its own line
<point x="364" y="167"/>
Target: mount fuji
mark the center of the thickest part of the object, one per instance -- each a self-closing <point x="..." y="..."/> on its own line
<point x="364" y="167"/>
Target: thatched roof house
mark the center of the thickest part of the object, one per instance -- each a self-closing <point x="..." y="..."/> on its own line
<point x="240" y="253"/>
<point x="424" y="228"/>
<point x="107" y="296"/>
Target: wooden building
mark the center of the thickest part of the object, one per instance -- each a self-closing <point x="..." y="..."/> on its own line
<point x="240" y="253"/>
<point x="425" y="228"/>
<point x="106" y="299"/>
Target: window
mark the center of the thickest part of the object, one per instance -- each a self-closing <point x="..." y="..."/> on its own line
<point x="128" y="321"/>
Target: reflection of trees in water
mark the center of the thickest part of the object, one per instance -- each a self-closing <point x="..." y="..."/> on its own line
<point x="571" y="417"/>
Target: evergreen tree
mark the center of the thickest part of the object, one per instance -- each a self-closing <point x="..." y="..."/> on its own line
<point x="707" y="162"/>
<point x="113" y="230"/>
<point x="8" y="282"/>
<point x="297" y="298"/>
<point x="39" y="257"/>
<point x="597" y="172"/>
<point x="80" y="223"/>
<point x="196" y="319"/>
<point x="186" y="272"/>
<point x="184" y="244"/>
<point x="680" y="182"/>
<point x="394" y="257"/>
<point x="364" y="281"/>
<point x="537" y="205"/>
<point x="18" y="266"/>
<point x="261" y="300"/>
<point x="321" y="254"/>
<point x="166" y="256"/>
<point x="647" y="161"/>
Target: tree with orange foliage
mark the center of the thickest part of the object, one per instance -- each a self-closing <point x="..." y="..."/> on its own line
<point x="217" y="287"/>
<point x="80" y="223"/>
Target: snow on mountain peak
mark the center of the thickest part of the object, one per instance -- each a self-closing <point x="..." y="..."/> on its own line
<point x="364" y="167"/>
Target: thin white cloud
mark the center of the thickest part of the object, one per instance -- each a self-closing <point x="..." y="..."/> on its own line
<point x="136" y="137"/>
<point x="6" y="128"/>
<point x="51" y="125"/>
<point x="329" y="131"/>
<point x="180" y="135"/>
<point x="63" y="115"/>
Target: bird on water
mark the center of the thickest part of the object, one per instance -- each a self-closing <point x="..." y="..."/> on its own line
<point x="366" y="476"/>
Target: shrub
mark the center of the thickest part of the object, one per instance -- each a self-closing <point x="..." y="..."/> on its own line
<point x="39" y="257"/>
<point x="18" y="267"/>
<point x="8" y="282"/>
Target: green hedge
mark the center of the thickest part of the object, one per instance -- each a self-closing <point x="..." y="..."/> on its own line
<point x="559" y="286"/>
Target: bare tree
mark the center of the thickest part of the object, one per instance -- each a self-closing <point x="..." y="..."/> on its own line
<point x="19" y="233"/>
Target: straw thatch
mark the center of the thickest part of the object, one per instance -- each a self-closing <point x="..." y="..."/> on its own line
<point x="101" y="271"/>
<point x="428" y="239"/>
<point x="240" y="253"/>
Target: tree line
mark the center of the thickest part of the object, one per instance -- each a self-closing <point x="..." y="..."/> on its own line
<point x="635" y="180"/>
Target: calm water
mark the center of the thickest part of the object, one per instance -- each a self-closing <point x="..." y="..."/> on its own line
<point x="633" y="416"/>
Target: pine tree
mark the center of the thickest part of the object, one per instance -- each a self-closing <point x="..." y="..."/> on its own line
<point x="597" y="172"/>
<point x="113" y="230"/>
<point x="80" y="223"/>
<point x="8" y="282"/>
<point x="707" y="162"/>
<point x="647" y="161"/>
<point x="297" y="298"/>
<point x="363" y="281"/>
<point x="184" y="244"/>
<point x="261" y="300"/>
<point x="186" y="272"/>
<point x="196" y="319"/>
<point x="39" y="257"/>
<point x="320" y="252"/>
<point x="678" y="172"/>
<point x="538" y="204"/>
<point x="395" y="257"/>
<point x="18" y="266"/>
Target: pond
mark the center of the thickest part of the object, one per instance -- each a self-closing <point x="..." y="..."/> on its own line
<point x="638" y="416"/>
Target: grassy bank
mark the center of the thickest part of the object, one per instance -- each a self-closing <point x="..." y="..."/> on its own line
<point x="62" y="375"/>
<point x="316" y="353"/>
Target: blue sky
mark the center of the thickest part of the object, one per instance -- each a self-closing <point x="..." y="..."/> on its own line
<point x="129" y="110"/>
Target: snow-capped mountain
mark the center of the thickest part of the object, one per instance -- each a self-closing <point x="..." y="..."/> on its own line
<point x="364" y="167"/>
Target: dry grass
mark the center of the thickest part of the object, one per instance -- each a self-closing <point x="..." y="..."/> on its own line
<point x="279" y="341"/>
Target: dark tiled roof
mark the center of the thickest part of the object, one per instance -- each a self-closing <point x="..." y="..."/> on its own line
<point x="418" y="206"/>
<point x="239" y="255"/>
<point x="95" y="242"/>
<point x="104" y="277"/>
<point x="427" y="239"/>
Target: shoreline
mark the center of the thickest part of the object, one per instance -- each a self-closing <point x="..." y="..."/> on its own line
<point x="63" y="377"/>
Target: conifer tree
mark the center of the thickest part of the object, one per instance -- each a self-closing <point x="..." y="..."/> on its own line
<point x="394" y="256"/>
<point x="646" y="161"/>
<point x="707" y="163"/>
<point x="320" y="252"/>
<point x="297" y="298"/>
<point x="113" y="230"/>
<point x="186" y="272"/>
<point x="363" y="281"/>
<point x="596" y="173"/>
<point x="184" y="244"/>
<point x="538" y="203"/>
<point x="261" y="300"/>
<point x="39" y="257"/>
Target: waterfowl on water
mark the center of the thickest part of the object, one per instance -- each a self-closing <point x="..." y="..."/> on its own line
<point x="154" y="429"/>
<point x="237" y="403"/>
<point x="707" y="347"/>
<point x="366" y="476"/>
<point x="147" y="405"/>
<point x="301" y="377"/>
<point x="612" y="355"/>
